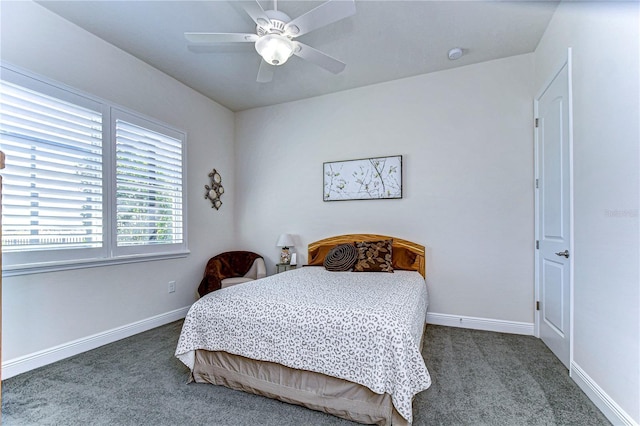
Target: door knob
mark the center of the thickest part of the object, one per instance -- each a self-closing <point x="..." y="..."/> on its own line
<point x="563" y="253"/>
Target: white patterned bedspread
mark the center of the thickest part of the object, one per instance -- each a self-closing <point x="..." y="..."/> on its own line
<point x="364" y="327"/>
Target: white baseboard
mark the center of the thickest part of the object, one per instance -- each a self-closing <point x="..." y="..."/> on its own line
<point x="32" y="361"/>
<point x="599" y="397"/>
<point x="486" y="324"/>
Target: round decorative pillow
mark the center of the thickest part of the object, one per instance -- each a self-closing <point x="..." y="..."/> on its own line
<point x="341" y="258"/>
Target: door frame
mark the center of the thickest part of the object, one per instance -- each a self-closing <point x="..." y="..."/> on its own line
<point x="568" y="63"/>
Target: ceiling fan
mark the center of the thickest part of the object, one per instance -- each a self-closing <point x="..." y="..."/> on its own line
<point x="276" y="31"/>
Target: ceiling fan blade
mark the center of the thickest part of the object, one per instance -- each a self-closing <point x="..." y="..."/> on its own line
<point x="325" y="14"/>
<point x="256" y="12"/>
<point x="317" y="57"/>
<point x="265" y="72"/>
<point x="220" y="37"/>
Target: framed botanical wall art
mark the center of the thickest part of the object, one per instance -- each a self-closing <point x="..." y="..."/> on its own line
<point x="365" y="179"/>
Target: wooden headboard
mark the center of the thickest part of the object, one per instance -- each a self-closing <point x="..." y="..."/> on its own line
<point x="351" y="238"/>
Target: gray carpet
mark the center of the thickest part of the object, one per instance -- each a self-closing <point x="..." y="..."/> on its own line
<point x="479" y="378"/>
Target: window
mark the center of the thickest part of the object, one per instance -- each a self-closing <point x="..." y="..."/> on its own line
<point x="85" y="182"/>
<point x="148" y="184"/>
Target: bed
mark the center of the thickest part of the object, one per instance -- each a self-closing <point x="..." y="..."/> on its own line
<point x="345" y="343"/>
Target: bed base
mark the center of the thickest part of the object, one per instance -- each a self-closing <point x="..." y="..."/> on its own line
<point x="312" y="390"/>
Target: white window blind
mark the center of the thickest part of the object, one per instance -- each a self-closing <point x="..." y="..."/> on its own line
<point x="148" y="185"/>
<point x="86" y="183"/>
<point x="52" y="195"/>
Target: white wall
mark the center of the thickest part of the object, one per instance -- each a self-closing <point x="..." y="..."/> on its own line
<point x="44" y="310"/>
<point x="466" y="138"/>
<point x="605" y="38"/>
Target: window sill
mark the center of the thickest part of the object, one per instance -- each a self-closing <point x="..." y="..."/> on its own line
<point x="39" y="268"/>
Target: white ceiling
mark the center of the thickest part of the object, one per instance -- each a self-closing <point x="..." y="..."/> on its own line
<point x="383" y="41"/>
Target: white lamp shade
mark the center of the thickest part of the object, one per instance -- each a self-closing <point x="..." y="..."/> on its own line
<point x="285" y="240"/>
<point x="274" y="48"/>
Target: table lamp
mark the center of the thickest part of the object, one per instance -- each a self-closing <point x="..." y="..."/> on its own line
<point x="285" y="241"/>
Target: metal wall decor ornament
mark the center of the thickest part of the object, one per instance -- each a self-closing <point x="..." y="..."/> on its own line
<point x="365" y="179"/>
<point x="215" y="191"/>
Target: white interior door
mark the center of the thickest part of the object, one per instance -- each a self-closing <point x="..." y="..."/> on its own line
<point x="553" y="216"/>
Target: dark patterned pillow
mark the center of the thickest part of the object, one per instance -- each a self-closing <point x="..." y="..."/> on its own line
<point x="374" y="256"/>
<point x="341" y="258"/>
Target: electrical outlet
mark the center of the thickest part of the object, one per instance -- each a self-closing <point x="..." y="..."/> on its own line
<point x="172" y="286"/>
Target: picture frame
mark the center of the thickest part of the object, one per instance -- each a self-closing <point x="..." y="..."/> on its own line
<point x="372" y="178"/>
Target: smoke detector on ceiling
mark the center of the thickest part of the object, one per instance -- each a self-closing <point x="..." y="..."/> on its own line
<point x="455" y="53"/>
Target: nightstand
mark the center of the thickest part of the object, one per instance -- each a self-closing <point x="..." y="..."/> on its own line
<point x="282" y="267"/>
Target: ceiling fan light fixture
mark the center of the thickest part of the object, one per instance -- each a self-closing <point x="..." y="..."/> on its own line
<point x="274" y="48"/>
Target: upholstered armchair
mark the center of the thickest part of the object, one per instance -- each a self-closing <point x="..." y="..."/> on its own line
<point x="258" y="270"/>
<point x="231" y="268"/>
